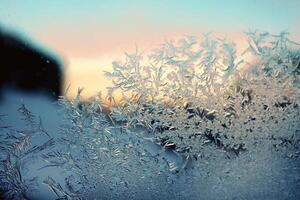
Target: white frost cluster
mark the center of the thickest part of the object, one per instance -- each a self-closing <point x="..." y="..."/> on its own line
<point x="191" y="124"/>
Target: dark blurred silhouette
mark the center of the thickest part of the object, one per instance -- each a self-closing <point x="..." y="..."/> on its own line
<point x="26" y="68"/>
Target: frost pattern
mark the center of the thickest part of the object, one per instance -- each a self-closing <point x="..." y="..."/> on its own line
<point x="188" y="93"/>
<point x="18" y="152"/>
<point x="195" y="121"/>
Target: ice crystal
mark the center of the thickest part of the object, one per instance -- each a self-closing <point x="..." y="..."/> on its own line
<point x="195" y="121"/>
<point x="18" y="153"/>
<point x="190" y="92"/>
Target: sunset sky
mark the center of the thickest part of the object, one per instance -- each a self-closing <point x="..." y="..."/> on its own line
<point x="89" y="35"/>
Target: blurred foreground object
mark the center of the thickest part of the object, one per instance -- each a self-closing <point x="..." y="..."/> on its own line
<point x="27" y="68"/>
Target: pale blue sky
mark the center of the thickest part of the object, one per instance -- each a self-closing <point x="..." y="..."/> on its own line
<point x="262" y="14"/>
